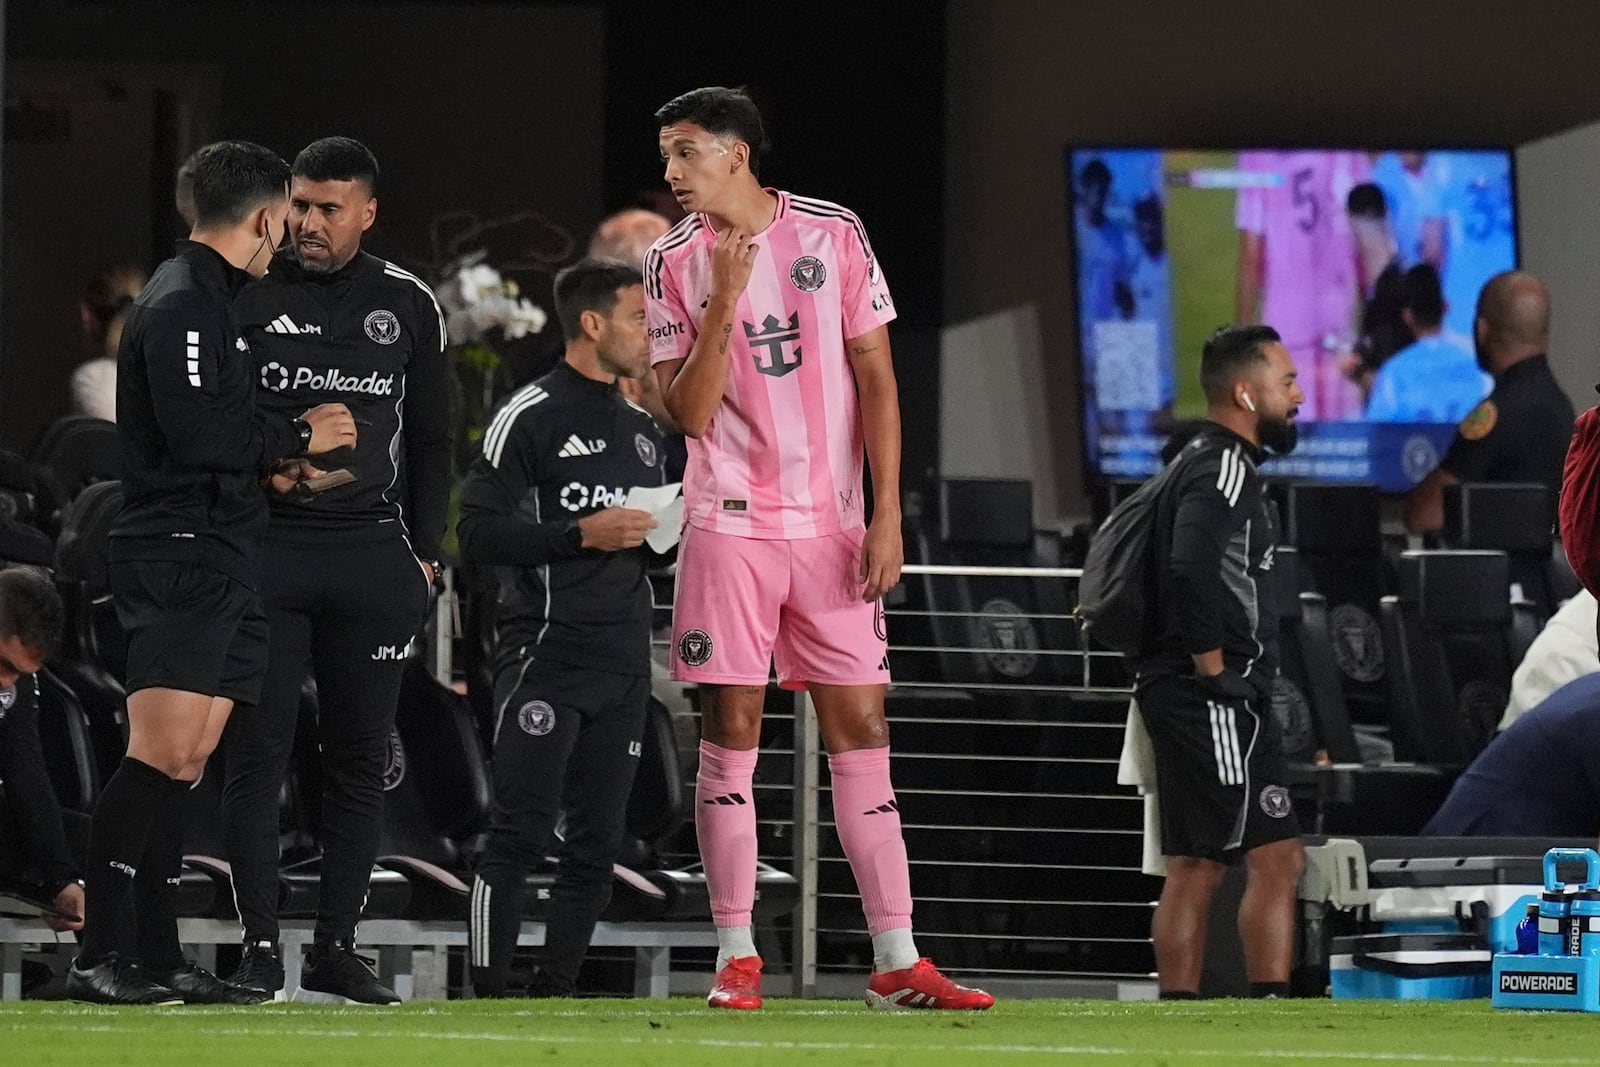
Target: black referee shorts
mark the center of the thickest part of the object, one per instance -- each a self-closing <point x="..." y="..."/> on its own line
<point x="190" y="628"/>
<point x="1219" y="771"/>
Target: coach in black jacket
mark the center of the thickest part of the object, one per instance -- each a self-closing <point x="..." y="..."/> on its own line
<point x="543" y="504"/>
<point x="1205" y="691"/>
<point x="349" y="556"/>
<point x="183" y="555"/>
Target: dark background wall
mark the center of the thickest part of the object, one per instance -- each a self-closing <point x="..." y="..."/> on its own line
<point x="850" y="95"/>
<point x="489" y="109"/>
<point x="1027" y="77"/>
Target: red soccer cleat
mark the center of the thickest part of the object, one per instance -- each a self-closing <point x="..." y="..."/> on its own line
<point x="922" y="986"/>
<point x="738" y="985"/>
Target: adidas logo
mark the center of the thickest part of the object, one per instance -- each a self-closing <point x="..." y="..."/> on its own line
<point x="883" y="809"/>
<point x="577" y="446"/>
<point x="283" y="324"/>
<point x="726" y="800"/>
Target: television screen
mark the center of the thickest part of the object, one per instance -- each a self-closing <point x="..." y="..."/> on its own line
<point x="1367" y="262"/>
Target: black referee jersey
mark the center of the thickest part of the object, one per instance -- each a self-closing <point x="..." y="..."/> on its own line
<point x="561" y="448"/>
<point x="370" y="336"/>
<point x="194" y="442"/>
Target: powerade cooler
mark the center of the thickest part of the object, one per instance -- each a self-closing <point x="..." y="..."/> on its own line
<point x="1564" y="975"/>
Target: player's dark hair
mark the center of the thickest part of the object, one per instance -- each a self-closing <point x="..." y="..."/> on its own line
<point x="233" y="178"/>
<point x="590" y="285"/>
<point x="30" y="609"/>
<point x="1366" y="202"/>
<point x="1148" y="207"/>
<point x="1095" y="172"/>
<point x="721" y="111"/>
<point x="1422" y="295"/>
<point x="1231" y="353"/>
<point x="338" y="159"/>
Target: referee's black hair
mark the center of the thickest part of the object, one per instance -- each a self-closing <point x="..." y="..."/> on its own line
<point x="338" y="159"/>
<point x="590" y="285"/>
<point x="30" y="610"/>
<point x="230" y="179"/>
<point x="1229" y="354"/>
<point x="723" y="112"/>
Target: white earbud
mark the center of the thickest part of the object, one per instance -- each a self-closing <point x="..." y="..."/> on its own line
<point x="1251" y="404"/>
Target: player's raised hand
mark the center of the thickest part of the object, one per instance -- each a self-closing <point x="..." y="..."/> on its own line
<point x="332" y="426"/>
<point x="882" y="555"/>
<point x="615" y="529"/>
<point x="732" y="255"/>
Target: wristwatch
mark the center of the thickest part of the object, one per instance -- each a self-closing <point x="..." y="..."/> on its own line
<point x="303" y="428"/>
<point x="574" y="535"/>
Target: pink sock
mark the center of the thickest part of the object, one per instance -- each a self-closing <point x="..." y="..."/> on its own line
<point x="725" y="822"/>
<point x="868" y="821"/>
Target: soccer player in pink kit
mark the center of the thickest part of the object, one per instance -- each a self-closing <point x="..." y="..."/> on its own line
<point x="768" y="322"/>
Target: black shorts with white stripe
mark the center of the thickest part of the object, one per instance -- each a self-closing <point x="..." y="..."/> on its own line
<point x="1219" y="770"/>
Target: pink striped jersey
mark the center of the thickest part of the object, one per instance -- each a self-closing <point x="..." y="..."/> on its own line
<point x="782" y="456"/>
<point x="1309" y="286"/>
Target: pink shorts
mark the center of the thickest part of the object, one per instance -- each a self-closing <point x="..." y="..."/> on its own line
<point x="743" y="603"/>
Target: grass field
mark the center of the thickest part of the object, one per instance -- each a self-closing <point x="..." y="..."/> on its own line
<point x="835" y="1033"/>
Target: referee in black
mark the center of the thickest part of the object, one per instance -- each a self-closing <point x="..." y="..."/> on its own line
<point x="184" y="567"/>
<point x="348" y="560"/>
<point x="572" y="666"/>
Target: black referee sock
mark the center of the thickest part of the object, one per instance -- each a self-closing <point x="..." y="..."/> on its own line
<point x="118" y="834"/>
<point x="1179" y="994"/>
<point x="155" y="887"/>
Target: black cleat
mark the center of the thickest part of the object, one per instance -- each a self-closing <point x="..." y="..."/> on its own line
<point x="335" y="974"/>
<point x="115" y="980"/>
<point x="196" y="985"/>
<point x="260" y="968"/>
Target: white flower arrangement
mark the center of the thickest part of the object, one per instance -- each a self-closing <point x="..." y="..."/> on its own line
<point x="476" y="300"/>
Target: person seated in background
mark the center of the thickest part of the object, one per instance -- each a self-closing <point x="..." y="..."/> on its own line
<point x="1566" y="649"/>
<point x="1541" y="778"/>
<point x="1434" y="378"/>
<point x="101" y="313"/>
<point x="35" y="857"/>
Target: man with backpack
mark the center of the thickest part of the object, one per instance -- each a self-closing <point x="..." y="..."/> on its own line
<point x="1206" y="662"/>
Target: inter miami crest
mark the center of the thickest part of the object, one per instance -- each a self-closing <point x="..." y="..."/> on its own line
<point x="382" y="327"/>
<point x="808" y="274"/>
<point x="1275" y="802"/>
<point x="536" y="718"/>
<point x="646" y="449"/>
<point x="694" y="647"/>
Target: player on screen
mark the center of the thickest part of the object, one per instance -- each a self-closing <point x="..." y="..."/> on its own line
<point x="1102" y="247"/>
<point x="1297" y="266"/>
<point x="768" y="316"/>
<point x="1480" y="241"/>
<point x="1435" y="378"/>
<point x="1411" y="184"/>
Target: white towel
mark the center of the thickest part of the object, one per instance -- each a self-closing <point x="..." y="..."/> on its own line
<point x="1137" y="767"/>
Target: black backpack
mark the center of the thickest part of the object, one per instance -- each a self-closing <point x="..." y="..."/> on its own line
<point x="1117" y="590"/>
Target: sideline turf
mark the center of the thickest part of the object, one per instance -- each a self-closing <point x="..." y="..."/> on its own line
<point x="835" y="1033"/>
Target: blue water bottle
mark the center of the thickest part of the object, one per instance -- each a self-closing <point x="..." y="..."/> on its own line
<point x="1528" y="932"/>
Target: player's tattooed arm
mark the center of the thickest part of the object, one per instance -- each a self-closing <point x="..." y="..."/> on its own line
<point x="722" y="345"/>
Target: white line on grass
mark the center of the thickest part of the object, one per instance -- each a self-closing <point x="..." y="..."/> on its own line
<point x="847" y="1046"/>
